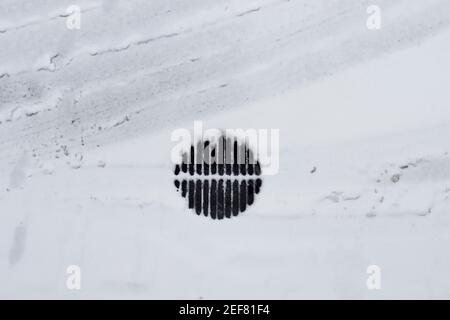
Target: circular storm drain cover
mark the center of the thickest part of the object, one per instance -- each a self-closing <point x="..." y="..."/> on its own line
<point x="219" y="180"/>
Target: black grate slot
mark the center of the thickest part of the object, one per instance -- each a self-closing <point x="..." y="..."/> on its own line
<point x="220" y="200"/>
<point x="235" y="197"/>
<point x="243" y="196"/>
<point x="250" y="192"/>
<point x="191" y="194"/>
<point x="198" y="197"/>
<point x="228" y="202"/>
<point x="213" y="203"/>
<point x="206" y="197"/>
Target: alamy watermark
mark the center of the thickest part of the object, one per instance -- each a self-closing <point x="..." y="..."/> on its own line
<point x="374" y="20"/>
<point x="73" y="21"/>
<point x="373" y="281"/>
<point x="73" y="281"/>
<point x="264" y="143"/>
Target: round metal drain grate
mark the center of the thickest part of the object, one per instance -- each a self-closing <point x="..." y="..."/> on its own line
<point x="220" y="180"/>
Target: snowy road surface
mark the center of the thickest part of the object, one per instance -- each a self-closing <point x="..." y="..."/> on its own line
<point x="86" y="178"/>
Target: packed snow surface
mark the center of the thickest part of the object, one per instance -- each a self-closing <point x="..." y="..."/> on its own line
<point x="86" y="118"/>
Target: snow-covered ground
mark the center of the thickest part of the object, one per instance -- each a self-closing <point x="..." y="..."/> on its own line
<point x="86" y="118"/>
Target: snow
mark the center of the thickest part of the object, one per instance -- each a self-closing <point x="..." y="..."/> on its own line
<point x="364" y="163"/>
